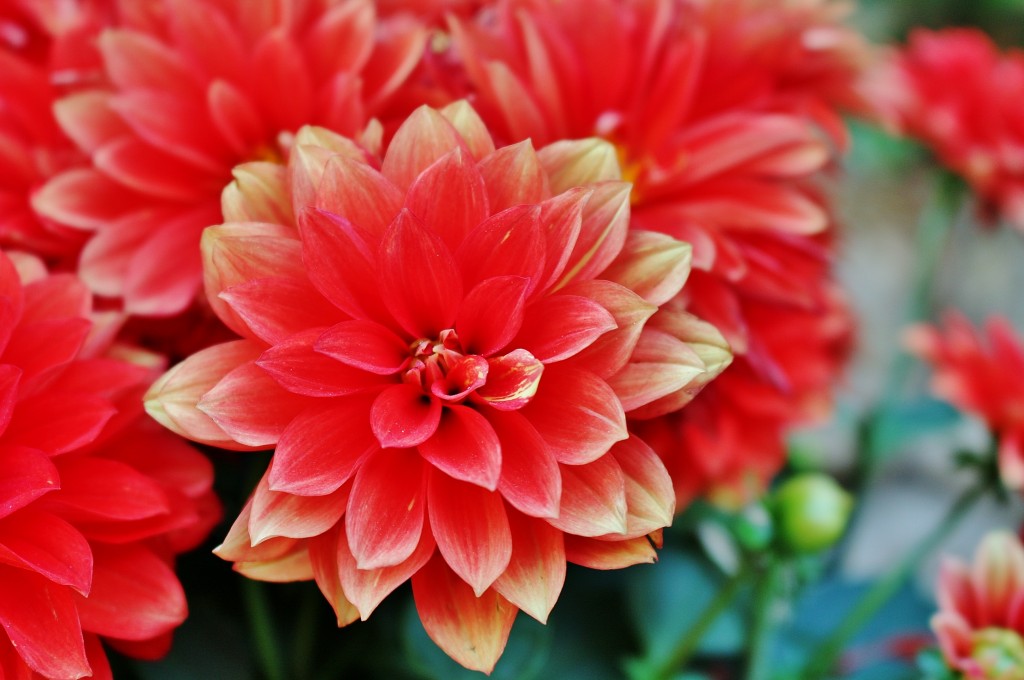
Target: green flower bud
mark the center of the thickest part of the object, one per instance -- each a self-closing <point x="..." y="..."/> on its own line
<point x="810" y="512"/>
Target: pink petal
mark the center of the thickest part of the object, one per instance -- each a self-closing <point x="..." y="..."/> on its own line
<point x="419" y="279"/>
<point x="578" y="162"/>
<point x="87" y="119"/>
<point x="234" y="117"/>
<point x="465" y="447"/>
<point x="323" y="447"/>
<point x="536" y="572"/>
<point x="251" y="407"/>
<point x="276" y="513"/>
<point x="593" y="499"/>
<point x="471" y="529"/>
<point x="577" y="414"/>
<point x="508" y="243"/>
<point x="359" y="193"/>
<point x="276" y="308"/>
<point x="423" y="138"/>
<point x="512" y="380"/>
<point x="135" y="595"/>
<point x="323" y="555"/>
<point x="206" y="39"/>
<point x="491" y="314"/>
<point x="146" y="169"/>
<point x="298" y="368"/>
<point x="601" y="554"/>
<point x="468" y="123"/>
<point x="652" y="265"/>
<point x="342" y="39"/>
<point x="28" y="474"/>
<point x="259" y="194"/>
<point x="561" y="218"/>
<point x="42" y="623"/>
<point x="48" y="545"/>
<point x="556" y="327"/>
<point x="661" y="365"/>
<point x="385" y="513"/>
<point x="134" y="60"/>
<point x="364" y="345"/>
<point x="514" y="176"/>
<point x="650" y="498"/>
<point x="602" y="233"/>
<point x="402" y="416"/>
<point x="450" y="197"/>
<point x="530" y="478"/>
<point x="283" y="90"/>
<point x="84" y="199"/>
<point x="367" y="588"/>
<point x="471" y="629"/>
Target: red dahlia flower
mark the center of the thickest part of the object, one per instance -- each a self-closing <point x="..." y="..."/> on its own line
<point x="983" y="377"/>
<point x="442" y="345"/>
<point x="976" y="128"/>
<point x="980" y="624"/>
<point x="95" y="499"/>
<point x="730" y="170"/>
<point x="196" y="87"/>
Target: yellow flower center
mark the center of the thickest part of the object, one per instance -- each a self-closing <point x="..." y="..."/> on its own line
<point x="999" y="653"/>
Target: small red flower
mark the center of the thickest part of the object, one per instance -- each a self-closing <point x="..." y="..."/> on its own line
<point x="443" y="345"/>
<point x="976" y="128"/>
<point x="194" y="88"/>
<point x="95" y="499"/>
<point x="984" y="376"/>
<point x="980" y="623"/>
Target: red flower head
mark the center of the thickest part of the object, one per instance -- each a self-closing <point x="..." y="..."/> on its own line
<point x="44" y="53"/>
<point x="443" y="353"/>
<point x="95" y="499"/>
<point x="984" y="378"/>
<point x="195" y="87"/>
<point x="976" y="128"/>
<point x="980" y="624"/>
<point x="730" y="170"/>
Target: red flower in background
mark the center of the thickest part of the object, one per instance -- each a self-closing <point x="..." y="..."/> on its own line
<point x="980" y="623"/>
<point x="95" y="499"/>
<point x="441" y="354"/>
<point x="984" y="376"/>
<point x="713" y="108"/>
<point x="975" y="128"/>
<point x="194" y="88"/>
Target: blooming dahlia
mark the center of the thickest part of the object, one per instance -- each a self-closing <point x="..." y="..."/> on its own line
<point x="976" y="128"/>
<point x="984" y="376"/>
<point x="443" y="345"/>
<point x="195" y="87"/>
<point x="731" y="170"/>
<point x="980" y="623"/>
<point x="95" y="499"/>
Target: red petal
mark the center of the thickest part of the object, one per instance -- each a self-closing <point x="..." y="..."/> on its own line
<point x="472" y="630"/>
<point x="402" y="416"/>
<point x="450" y="197"/>
<point x="279" y="307"/>
<point x="558" y="326"/>
<point x="365" y="345"/>
<point x="530" y="478"/>
<point x="134" y="60"/>
<point x="323" y="555"/>
<point x="463" y="377"/>
<point x="206" y="39"/>
<point x="83" y="198"/>
<point x="37" y="348"/>
<point x="385" y="513"/>
<point x="9" y="378"/>
<point x="49" y="546"/>
<point x="536" y="572"/>
<point x="323" y="446"/>
<point x="465" y="447"/>
<point x="298" y="368"/>
<point x="577" y="414"/>
<point x="652" y="265"/>
<point x="28" y="474"/>
<point x="593" y="499"/>
<point x="599" y="554"/>
<point x="42" y="623"/>
<point x="283" y="90"/>
<point x="512" y="380"/>
<point x="360" y="194"/>
<point x="251" y="407"/>
<point x="423" y="138"/>
<point x="235" y="117"/>
<point x="610" y="352"/>
<point x="58" y="423"/>
<point x="514" y="176"/>
<point x="650" y="498"/>
<point x="87" y="119"/>
<point x="562" y="220"/>
<point x="491" y="314"/>
<point x="278" y="514"/>
<point x="94" y="489"/>
<point x="419" y="279"/>
<point x="367" y="588"/>
<point x="471" y="529"/>
<point x="134" y="596"/>
<point x="602" y="234"/>
<point x="150" y="171"/>
<point x="507" y="243"/>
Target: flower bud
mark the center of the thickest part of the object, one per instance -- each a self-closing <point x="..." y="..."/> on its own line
<point x="810" y="512"/>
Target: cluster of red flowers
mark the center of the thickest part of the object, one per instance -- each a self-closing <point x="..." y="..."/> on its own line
<point x="453" y="239"/>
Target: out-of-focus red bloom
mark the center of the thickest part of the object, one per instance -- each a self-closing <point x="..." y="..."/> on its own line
<point x="980" y="623"/>
<point x="196" y="87"/>
<point x="95" y="499"/>
<point x="716" y="109"/>
<point x="984" y="376"/>
<point x="975" y="128"/>
<point x="44" y="52"/>
<point x="443" y="346"/>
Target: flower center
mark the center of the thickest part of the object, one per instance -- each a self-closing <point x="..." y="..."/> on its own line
<point x="999" y="653"/>
<point x="441" y="368"/>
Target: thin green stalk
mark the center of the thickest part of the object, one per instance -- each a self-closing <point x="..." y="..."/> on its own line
<point x="687" y="644"/>
<point x="261" y="626"/>
<point x="765" y="599"/>
<point x="824" y="659"/>
<point x="306" y="627"/>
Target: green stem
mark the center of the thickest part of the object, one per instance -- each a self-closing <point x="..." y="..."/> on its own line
<point x="687" y="644"/>
<point x="824" y="659"/>
<point x="306" y="627"/>
<point x="765" y="598"/>
<point x="261" y="626"/>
